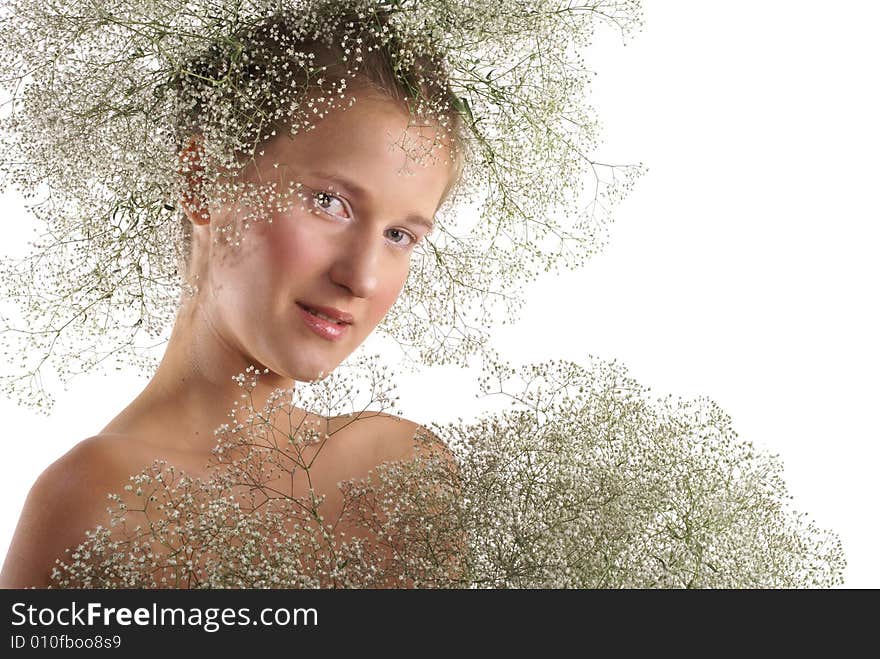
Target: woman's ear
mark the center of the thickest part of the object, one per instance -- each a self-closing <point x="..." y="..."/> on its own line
<point x="191" y="168"/>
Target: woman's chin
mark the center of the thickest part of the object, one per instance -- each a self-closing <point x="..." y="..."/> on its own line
<point x="314" y="372"/>
<point x="299" y="372"/>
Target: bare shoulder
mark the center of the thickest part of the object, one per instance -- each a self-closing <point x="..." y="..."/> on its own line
<point x="397" y="438"/>
<point x="95" y="462"/>
<point x="68" y="498"/>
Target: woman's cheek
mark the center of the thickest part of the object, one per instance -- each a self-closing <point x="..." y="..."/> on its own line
<point x="292" y="248"/>
<point x="388" y="294"/>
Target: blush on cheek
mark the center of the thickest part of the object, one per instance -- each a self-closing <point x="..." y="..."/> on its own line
<point x="385" y="299"/>
<point x="291" y="247"/>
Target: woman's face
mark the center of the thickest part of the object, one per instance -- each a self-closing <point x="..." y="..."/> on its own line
<point x="345" y="247"/>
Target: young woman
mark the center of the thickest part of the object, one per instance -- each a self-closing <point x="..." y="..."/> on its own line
<point x="294" y="298"/>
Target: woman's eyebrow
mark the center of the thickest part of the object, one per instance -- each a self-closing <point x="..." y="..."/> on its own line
<point x="424" y="221"/>
<point x="357" y="190"/>
<point x="350" y="186"/>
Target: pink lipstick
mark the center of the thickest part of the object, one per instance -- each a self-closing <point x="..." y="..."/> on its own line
<point x="323" y="327"/>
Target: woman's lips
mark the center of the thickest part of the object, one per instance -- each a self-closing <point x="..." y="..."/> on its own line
<point x="322" y="327"/>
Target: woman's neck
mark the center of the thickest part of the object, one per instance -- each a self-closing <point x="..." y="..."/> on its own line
<point x="193" y="391"/>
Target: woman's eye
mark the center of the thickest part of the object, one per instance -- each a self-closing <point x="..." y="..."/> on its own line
<point x="333" y="205"/>
<point x="330" y="203"/>
<point x="403" y="238"/>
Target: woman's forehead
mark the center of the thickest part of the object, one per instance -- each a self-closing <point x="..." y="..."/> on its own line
<point x="373" y="140"/>
<point x="372" y="127"/>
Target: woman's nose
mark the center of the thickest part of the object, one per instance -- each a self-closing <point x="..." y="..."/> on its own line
<point x="357" y="264"/>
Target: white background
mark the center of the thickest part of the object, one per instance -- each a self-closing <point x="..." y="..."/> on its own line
<point x="742" y="266"/>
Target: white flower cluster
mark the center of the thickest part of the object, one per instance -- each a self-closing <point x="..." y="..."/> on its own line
<point x="591" y="482"/>
<point x="103" y="94"/>
<point x="586" y="482"/>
